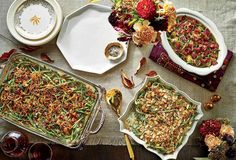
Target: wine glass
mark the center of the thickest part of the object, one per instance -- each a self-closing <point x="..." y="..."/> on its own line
<point x="14" y="144"/>
<point x="40" y="151"/>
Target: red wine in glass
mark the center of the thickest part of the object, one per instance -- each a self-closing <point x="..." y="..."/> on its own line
<point x="40" y="151"/>
<point x="14" y="144"/>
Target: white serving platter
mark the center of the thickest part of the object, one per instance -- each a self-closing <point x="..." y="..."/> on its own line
<point x="138" y="140"/>
<point x="34" y="22"/>
<point x="84" y="36"/>
<point x="216" y="33"/>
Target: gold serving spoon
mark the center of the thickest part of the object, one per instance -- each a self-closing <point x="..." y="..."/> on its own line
<point x="114" y="99"/>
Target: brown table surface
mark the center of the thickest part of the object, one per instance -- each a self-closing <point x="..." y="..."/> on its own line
<point x="105" y="152"/>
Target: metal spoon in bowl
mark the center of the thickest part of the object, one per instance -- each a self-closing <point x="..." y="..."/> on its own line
<point x="114" y="99"/>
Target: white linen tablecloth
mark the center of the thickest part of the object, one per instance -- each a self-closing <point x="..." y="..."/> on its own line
<point x="222" y="12"/>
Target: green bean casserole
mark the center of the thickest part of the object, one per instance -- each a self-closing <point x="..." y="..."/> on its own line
<point x="161" y="116"/>
<point x="49" y="102"/>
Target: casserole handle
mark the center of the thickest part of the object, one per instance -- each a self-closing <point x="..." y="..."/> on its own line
<point x="94" y="131"/>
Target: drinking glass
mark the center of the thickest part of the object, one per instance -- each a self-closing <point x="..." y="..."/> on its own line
<point x="40" y="151"/>
<point x="14" y="144"/>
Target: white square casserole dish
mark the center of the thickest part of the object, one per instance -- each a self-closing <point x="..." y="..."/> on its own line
<point x="131" y="107"/>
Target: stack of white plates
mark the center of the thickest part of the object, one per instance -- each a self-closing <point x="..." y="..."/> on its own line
<point x="34" y="22"/>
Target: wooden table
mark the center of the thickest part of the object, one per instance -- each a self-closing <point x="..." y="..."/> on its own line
<point x="105" y="152"/>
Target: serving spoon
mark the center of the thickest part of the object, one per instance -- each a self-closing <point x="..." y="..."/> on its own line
<point x="114" y="99"/>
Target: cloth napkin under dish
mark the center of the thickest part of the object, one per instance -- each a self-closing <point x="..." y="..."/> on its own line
<point x="210" y="81"/>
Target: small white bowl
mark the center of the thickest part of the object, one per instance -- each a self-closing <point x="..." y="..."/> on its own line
<point x="34" y="23"/>
<point x="216" y="33"/>
<point x="138" y="140"/>
<point x="108" y="51"/>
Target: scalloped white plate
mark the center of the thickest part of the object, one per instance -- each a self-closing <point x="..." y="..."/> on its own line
<point x="188" y="134"/>
<point x="20" y="16"/>
<point x="35" y="19"/>
<point x="216" y="33"/>
<point x="84" y="36"/>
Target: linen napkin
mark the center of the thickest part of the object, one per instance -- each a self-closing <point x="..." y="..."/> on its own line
<point x="210" y="82"/>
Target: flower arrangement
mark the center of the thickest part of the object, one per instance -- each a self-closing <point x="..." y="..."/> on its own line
<point x="141" y="20"/>
<point x="219" y="137"/>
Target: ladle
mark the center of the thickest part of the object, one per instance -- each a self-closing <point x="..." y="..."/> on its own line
<point x="114" y="99"/>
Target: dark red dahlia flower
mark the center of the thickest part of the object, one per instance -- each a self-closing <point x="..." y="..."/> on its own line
<point x="146" y="9"/>
<point x="210" y="126"/>
<point x="119" y="21"/>
<point x="160" y="25"/>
